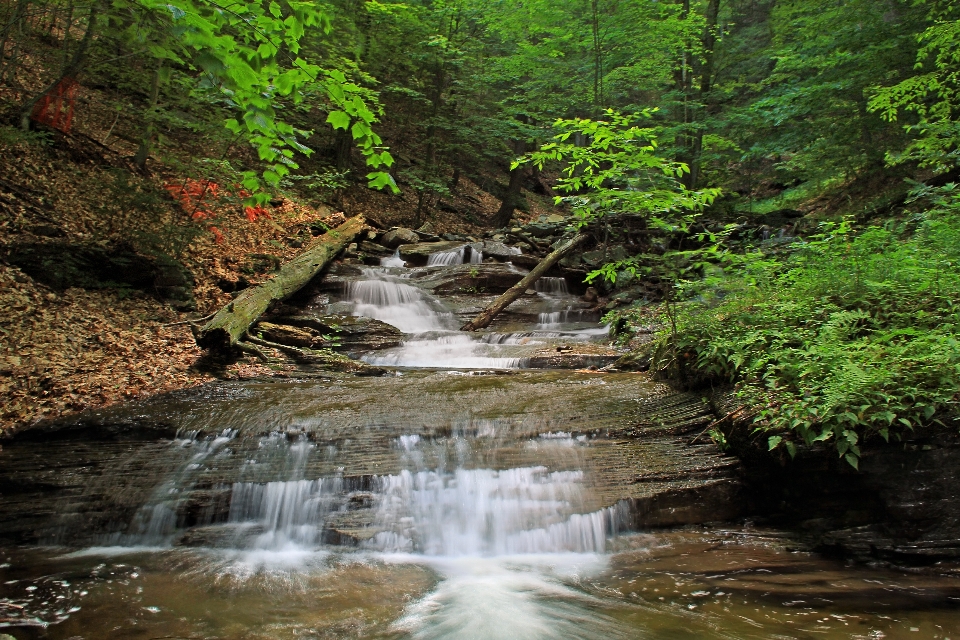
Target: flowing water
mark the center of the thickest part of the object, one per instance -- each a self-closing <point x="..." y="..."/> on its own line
<point x="466" y="495"/>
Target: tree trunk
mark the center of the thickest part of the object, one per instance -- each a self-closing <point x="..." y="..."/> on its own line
<point x="70" y="70"/>
<point x="342" y="146"/>
<point x="146" y="143"/>
<point x="510" y="199"/>
<point x="486" y="316"/>
<point x="231" y="322"/>
<point x="706" y="80"/>
<point x="15" y="23"/>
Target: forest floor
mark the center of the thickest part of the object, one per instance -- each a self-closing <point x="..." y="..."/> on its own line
<point x="66" y="350"/>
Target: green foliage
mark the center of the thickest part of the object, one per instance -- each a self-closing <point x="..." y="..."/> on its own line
<point x="933" y="96"/>
<point x="848" y="337"/>
<point x="620" y="173"/>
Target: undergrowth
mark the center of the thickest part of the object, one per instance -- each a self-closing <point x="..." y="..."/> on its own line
<point x="845" y="336"/>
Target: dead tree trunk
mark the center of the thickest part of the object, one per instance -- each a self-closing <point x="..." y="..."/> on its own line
<point x="485" y="317"/>
<point x="231" y="322"/>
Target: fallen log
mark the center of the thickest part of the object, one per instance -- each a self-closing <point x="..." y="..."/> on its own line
<point x="231" y="323"/>
<point x="485" y="317"/>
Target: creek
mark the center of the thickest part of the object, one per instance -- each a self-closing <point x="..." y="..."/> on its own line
<point x="472" y="492"/>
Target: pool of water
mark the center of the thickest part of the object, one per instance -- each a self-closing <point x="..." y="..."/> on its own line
<point x="694" y="583"/>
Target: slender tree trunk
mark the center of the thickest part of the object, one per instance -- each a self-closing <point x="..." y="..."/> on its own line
<point x="14" y="24"/>
<point x="706" y="83"/>
<point x="485" y="317"/>
<point x="510" y="199"/>
<point x="71" y="69"/>
<point x="342" y="146"/>
<point x="597" y="55"/>
<point x="146" y="142"/>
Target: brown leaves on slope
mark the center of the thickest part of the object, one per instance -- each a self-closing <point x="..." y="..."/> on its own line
<point x="65" y="352"/>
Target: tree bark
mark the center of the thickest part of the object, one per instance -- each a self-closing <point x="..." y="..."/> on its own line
<point x="510" y="199"/>
<point x="70" y="70"/>
<point x="485" y="317"/>
<point x="706" y="80"/>
<point x="146" y="143"/>
<point x="231" y="322"/>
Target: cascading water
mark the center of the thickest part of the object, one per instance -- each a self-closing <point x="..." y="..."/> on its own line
<point x="466" y="254"/>
<point x="552" y="286"/>
<point x="397" y="303"/>
<point x="393" y="261"/>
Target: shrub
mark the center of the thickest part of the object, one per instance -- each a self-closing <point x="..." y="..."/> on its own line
<point x="845" y="337"/>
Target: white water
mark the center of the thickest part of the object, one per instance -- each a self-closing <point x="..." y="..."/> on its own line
<point x="552" y="286"/>
<point x="393" y="261"/>
<point x="397" y="303"/>
<point x="463" y="255"/>
<point x="506" y="543"/>
<point x="433" y="340"/>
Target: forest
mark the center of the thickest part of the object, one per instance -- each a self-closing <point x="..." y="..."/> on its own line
<point x="754" y="204"/>
<point x="792" y="163"/>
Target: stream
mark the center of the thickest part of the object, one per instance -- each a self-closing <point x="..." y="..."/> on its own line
<point x="469" y="493"/>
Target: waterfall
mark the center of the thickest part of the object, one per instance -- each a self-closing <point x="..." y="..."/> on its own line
<point x="452" y="350"/>
<point x="486" y="512"/>
<point x="552" y="286"/>
<point x="393" y="261"/>
<point x="556" y="319"/>
<point x="461" y="255"/>
<point x="446" y="258"/>
<point x="404" y="306"/>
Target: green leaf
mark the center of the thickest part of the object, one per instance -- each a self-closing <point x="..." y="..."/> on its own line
<point x="852" y="460"/>
<point x="381" y="179"/>
<point x="339" y="120"/>
<point x="773" y="442"/>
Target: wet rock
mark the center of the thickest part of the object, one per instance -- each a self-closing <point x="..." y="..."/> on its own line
<point x="590" y="295"/>
<point x="637" y="360"/>
<point x="571" y="360"/>
<point x="496" y="249"/>
<point x="470" y="279"/>
<point x="528" y="262"/>
<point x="419" y="253"/>
<point x="374" y="249"/>
<point x="353" y="333"/>
<point x="555" y="219"/>
<point x="291" y="336"/>
<point x="540" y="229"/>
<point x="396" y="237"/>
<point x="627" y="296"/>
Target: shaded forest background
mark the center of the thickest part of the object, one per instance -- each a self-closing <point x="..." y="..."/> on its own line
<point x="212" y="141"/>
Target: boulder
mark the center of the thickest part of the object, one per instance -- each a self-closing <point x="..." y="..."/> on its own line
<point x="473" y="279"/>
<point x="496" y="249"/>
<point x="540" y="229"/>
<point x="61" y="265"/>
<point x="396" y="237"/>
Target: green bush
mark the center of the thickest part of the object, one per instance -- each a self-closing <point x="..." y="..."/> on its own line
<point x="846" y="336"/>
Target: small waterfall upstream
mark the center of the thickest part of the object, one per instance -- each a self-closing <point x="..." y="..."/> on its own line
<point x="397" y="303"/>
<point x="433" y="340"/>
<point x="464" y="255"/>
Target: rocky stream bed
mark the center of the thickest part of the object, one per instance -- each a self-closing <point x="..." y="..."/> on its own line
<point x="508" y="483"/>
